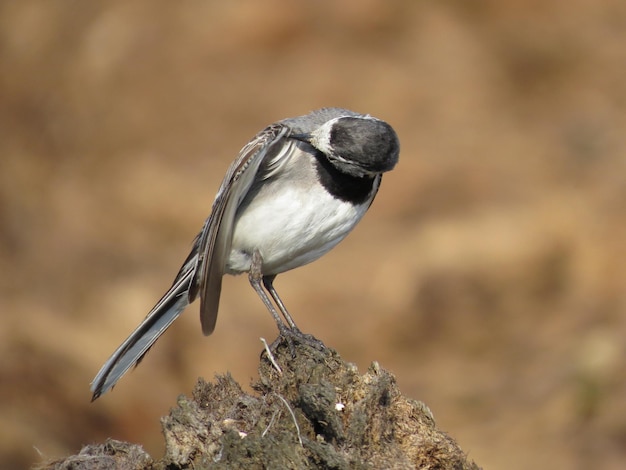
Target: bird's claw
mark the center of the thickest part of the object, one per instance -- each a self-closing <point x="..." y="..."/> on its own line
<point x="292" y="336"/>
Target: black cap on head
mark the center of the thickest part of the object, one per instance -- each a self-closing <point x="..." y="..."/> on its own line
<point x="369" y="143"/>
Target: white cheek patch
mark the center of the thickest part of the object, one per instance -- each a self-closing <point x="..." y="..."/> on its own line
<point x="321" y="137"/>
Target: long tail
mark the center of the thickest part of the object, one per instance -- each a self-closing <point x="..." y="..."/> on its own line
<point x="151" y="328"/>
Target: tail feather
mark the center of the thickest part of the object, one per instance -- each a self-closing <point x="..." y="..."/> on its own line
<point x="133" y="349"/>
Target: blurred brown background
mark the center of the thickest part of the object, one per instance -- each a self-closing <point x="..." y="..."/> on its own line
<point x="488" y="275"/>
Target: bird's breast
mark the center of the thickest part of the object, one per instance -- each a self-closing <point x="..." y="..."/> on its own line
<point x="290" y="225"/>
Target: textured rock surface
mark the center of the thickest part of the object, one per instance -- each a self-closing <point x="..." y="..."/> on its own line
<point x="309" y="411"/>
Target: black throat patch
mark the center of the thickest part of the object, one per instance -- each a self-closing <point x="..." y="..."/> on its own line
<point x="342" y="186"/>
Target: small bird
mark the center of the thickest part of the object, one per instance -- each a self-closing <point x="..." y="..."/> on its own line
<point x="293" y="193"/>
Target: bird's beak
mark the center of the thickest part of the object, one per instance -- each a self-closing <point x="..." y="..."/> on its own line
<point x="302" y="137"/>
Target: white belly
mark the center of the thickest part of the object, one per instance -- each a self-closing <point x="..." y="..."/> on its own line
<point x="291" y="228"/>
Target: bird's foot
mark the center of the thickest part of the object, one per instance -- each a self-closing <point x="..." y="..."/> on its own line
<point x="292" y="336"/>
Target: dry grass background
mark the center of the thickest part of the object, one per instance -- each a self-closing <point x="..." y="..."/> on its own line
<point x="489" y="275"/>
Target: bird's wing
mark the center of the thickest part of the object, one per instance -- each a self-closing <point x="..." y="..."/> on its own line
<point x="203" y="269"/>
<point x="214" y="241"/>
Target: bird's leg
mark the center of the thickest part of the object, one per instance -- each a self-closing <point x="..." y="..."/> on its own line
<point x="291" y="332"/>
<point x="255" y="277"/>
<point x="268" y="282"/>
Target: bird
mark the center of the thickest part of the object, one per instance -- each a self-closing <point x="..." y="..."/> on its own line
<point x="294" y="192"/>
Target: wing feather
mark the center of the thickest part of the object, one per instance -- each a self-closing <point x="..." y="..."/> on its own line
<point x="214" y="241"/>
<point x="203" y="269"/>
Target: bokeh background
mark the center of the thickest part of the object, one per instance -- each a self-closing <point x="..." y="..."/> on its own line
<point x="489" y="275"/>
